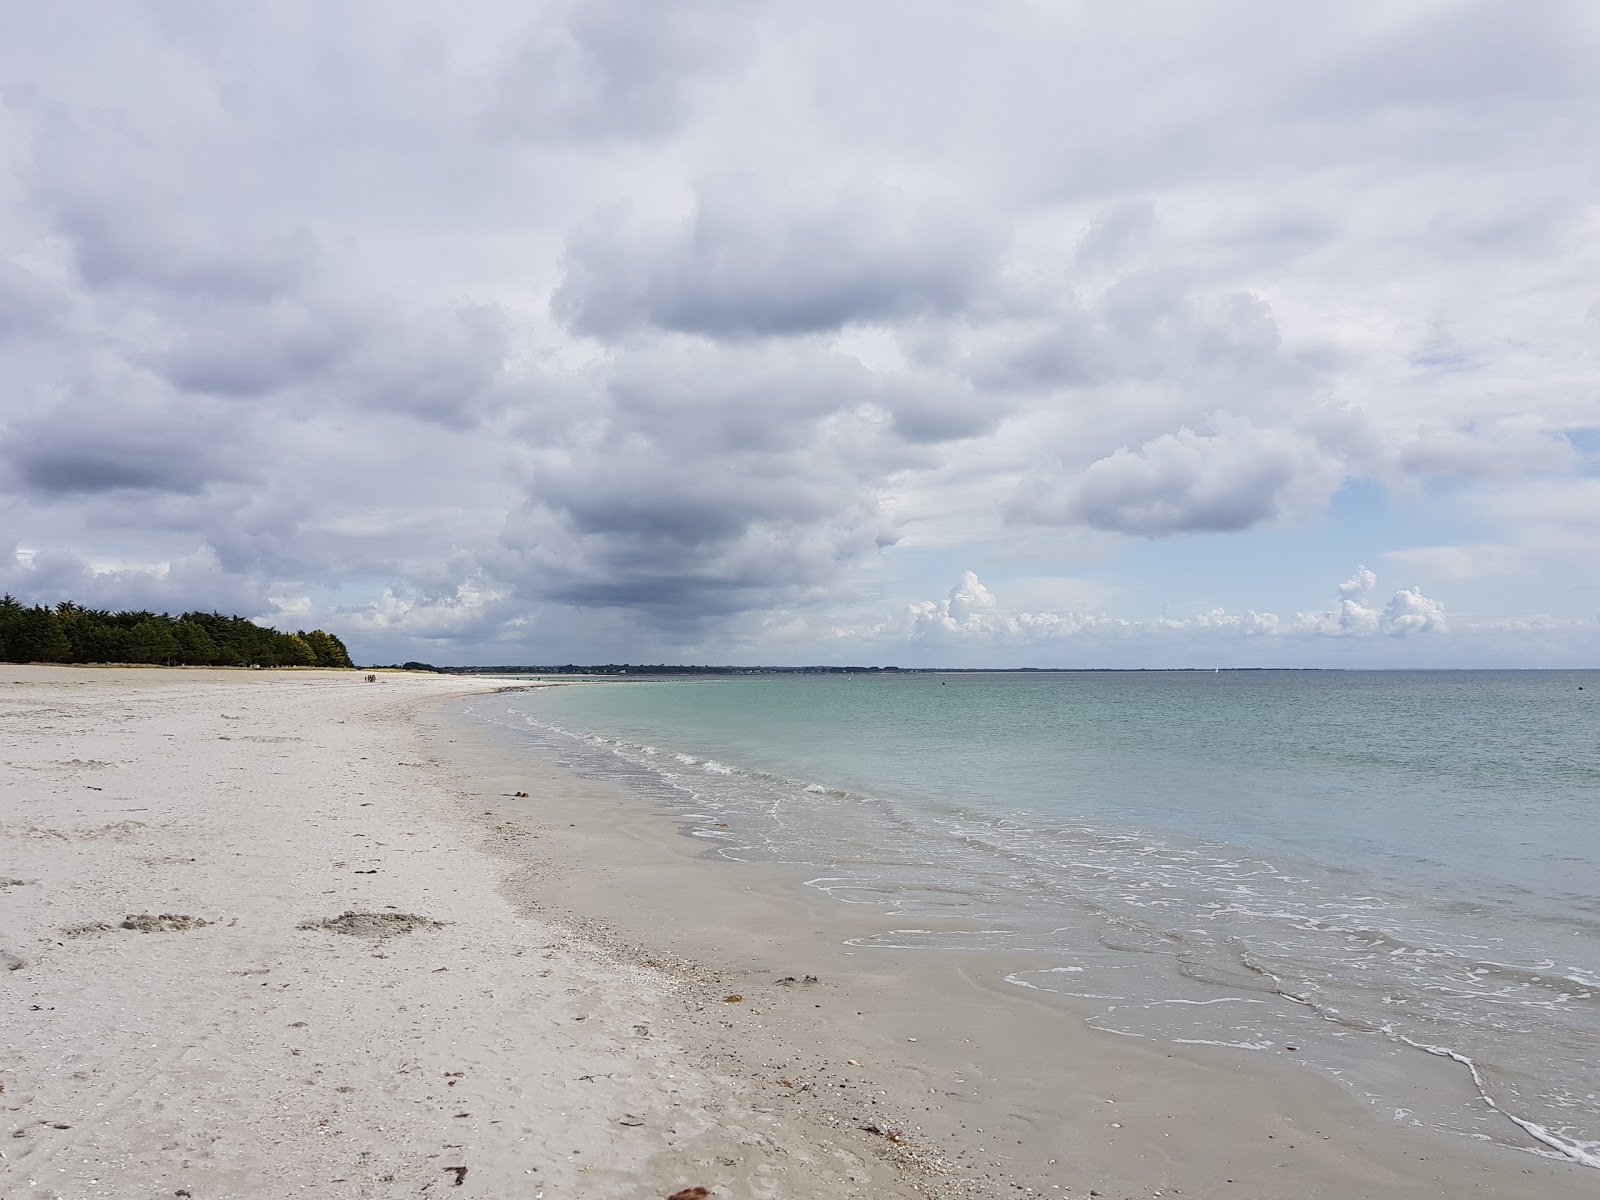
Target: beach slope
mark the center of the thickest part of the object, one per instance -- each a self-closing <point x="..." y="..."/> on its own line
<point x="255" y="948"/>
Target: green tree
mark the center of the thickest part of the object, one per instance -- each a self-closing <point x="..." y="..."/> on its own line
<point x="195" y="647"/>
<point x="329" y="650"/>
<point x="296" y="653"/>
<point x="338" y="656"/>
<point x="152" y="641"/>
<point x="37" y="636"/>
<point x="10" y="618"/>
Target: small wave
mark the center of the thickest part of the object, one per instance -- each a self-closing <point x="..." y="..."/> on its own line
<point x="1324" y="939"/>
<point x="1016" y="977"/>
<point x="1584" y="1153"/>
<point x="1229" y="1045"/>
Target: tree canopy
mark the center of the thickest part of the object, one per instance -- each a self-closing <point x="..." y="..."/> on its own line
<point x="72" y="634"/>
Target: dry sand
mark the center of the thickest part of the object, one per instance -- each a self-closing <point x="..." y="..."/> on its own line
<point x="322" y="991"/>
<point x="292" y="933"/>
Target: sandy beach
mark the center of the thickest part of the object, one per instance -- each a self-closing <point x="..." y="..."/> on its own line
<point x="292" y="933"/>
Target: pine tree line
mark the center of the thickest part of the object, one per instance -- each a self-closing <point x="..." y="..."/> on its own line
<point x="70" y="633"/>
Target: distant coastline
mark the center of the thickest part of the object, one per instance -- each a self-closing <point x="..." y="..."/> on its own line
<point x="649" y="669"/>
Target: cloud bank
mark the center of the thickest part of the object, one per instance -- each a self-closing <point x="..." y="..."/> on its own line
<point x="707" y="330"/>
<point x="971" y="612"/>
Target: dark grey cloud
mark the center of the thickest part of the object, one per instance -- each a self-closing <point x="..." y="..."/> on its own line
<point x="443" y="365"/>
<point x="253" y="350"/>
<point x="118" y="433"/>
<point x="761" y="260"/>
<point x="682" y="495"/>
<point x="177" y="257"/>
<point x="137" y="461"/>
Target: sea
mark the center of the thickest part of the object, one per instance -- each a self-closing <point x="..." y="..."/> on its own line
<point x="1352" y="869"/>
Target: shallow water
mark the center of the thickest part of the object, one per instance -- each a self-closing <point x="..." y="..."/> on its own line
<point x="1364" y="867"/>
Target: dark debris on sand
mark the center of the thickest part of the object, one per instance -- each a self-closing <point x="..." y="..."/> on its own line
<point x="373" y="924"/>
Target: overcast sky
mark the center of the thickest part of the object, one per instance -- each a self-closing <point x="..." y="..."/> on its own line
<point x="1153" y="333"/>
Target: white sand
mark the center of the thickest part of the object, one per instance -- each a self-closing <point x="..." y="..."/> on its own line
<point x="250" y="1057"/>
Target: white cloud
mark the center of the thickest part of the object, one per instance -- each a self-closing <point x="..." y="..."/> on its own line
<point x="290" y="608"/>
<point x="1236" y="478"/>
<point x="1409" y="611"/>
<point x="971" y="612"/>
<point x="1359" y="584"/>
<point x="1406" y="612"/>
<point x="666" y="325"/>
<point x="468" y="610"/>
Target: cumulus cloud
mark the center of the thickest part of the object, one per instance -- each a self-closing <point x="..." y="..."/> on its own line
<point x="1144" y="321"/>
<point x="116" y="431"/>
<point x="1407" y="612"/>
<point x="753" y="259"/>
<point x="1359" y="584"/>
<point x="1236" y="478"/>
<point x="696" y="326"/>
<point x="972" y="613"/>
<point x="689" y="499"/>
<point x="473" y="609"/>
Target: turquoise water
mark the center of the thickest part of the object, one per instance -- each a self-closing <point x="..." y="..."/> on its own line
<point x="1364" y="866"/>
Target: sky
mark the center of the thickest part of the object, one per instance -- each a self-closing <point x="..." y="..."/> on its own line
<point x="1022" y="333"/>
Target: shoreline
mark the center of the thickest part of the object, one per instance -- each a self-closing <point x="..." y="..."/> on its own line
<point x="1058" y="1089"/>
<point x="281" y="934"/>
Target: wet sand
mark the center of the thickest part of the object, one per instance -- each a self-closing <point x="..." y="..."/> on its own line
<point x="1007" y="1086"/>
